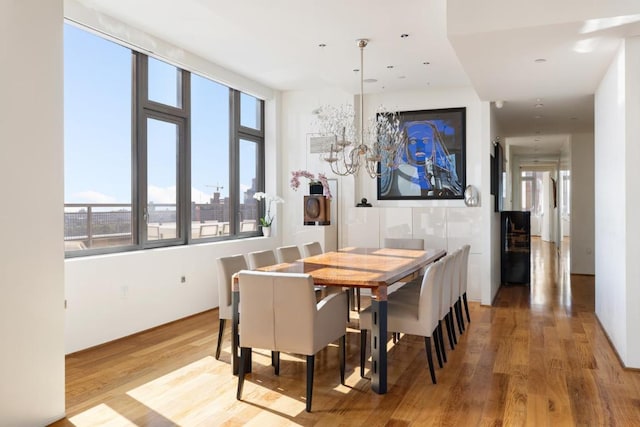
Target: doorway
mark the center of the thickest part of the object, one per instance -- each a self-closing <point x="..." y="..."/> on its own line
<point x="546" y="193"/>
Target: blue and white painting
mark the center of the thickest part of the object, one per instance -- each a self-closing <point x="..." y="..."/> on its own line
<point x="431" y="160"/>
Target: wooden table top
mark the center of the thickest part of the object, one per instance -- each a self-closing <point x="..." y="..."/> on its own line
<point x="360" y="267"/>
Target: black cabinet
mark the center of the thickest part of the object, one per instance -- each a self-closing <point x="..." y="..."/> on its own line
<point x="515" y="247"/>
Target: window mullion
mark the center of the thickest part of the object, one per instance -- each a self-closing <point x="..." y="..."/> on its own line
<point x="234" y="159"/>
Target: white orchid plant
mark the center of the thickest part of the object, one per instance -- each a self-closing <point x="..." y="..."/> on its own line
<point x="267" y="219"/>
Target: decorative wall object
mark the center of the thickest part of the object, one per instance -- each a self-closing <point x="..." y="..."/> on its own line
<point x="432" y="161"/>
<point x="317" y="210"/>
<point x="471" y="197"/>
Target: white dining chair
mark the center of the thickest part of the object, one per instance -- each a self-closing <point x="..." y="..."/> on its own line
<point x="288" y="253"/>
<point x="311" y="249"/>
<point x="456" y="295"/>
<point x="404" y="243"/>
<point x="419" y="316"/>
<point x="445" y="298"/>
<point x="227" y="267"/>
<point x="278" y="312"/>
<point x="464" y="267"/>
<point x="259" y="259"/>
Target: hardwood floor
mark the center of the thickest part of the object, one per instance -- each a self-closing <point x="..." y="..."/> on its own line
<point x="538" y="357"/>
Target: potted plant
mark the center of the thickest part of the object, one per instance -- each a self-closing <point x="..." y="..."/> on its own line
<point x="267" y="219"/>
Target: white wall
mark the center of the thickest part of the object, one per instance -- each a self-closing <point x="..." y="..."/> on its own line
<point x="112" y="296"/>
<point x="632" y="199"/>
<point x="298" y="121"/>
<point x="494" y="219"/>
<point x="617" y="201"/>
<point x="582" y="204"/>
<point x="31" y="183"/>
<point x="439" y="227"/>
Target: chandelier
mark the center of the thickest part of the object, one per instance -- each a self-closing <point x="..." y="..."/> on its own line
<point x="379" y="143"/>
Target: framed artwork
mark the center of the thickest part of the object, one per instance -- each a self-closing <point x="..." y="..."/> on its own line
<point x="432" y="160"/>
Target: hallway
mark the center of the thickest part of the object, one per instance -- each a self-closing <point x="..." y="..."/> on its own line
<point x="536" y="358"/>
<point x="559" y="365"/>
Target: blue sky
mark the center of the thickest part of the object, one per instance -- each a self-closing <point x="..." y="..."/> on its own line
<point x="98" y="127"/>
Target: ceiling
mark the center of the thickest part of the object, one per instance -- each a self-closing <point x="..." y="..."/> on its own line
<point x="493" y="45"/>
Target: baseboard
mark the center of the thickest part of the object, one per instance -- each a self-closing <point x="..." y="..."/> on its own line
<point x="615" y="351"/>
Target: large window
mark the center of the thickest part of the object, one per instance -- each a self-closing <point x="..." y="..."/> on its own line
<point x="532" y="192"/>
<point x="154" y="155"/>
<point x="565" y="188"/>
<point x="210" y="158"/>
<point x="97" y="155"/>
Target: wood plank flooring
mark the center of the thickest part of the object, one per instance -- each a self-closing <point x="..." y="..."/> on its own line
<point x="538" y="357"/>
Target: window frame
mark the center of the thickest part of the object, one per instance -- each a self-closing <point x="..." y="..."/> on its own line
<point x="141" y="110"/>
<point x="238" y="133"/>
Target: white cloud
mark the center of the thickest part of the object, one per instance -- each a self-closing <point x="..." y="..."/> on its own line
<point x="91" y="196"/>
<point x="162" y="195"/>
<point x="168" y="195"/>
<point x="199" y="196"/>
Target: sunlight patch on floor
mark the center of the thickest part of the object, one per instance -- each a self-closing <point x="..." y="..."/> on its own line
<point x="101" y="415"/>
<point x="189" y="386"/>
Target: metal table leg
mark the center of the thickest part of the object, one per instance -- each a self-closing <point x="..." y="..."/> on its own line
<point x="379" y="342"/>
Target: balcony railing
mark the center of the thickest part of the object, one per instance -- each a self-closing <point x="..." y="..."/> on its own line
<point x="100" y="225"/>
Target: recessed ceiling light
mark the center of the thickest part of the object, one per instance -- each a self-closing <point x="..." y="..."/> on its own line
<point x="539" y="105"/>
<point x="426" y="63"/>
<point x="370" y="80"/>
<point x="389" y="66"/>
<point x="322" y="45"/>
<point x="355" y="70"/>
<point x="404" y="36"/>
<point x="539" y="60"/>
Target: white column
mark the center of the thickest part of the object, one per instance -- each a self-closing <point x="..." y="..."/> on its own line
<point x="31" y="190"/>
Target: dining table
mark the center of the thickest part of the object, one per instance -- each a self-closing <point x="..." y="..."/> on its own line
<point x="359" y="268"/>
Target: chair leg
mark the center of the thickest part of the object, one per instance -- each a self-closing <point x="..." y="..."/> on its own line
<point x="447" y="323"/>
<point x="358" y="299"/>
<point x="441" y="339"/>
<point x="363" y="347"/>
<point x="220" y="333"/>
<point x="343" y="356"/>
<point x="310" y="364"/>
<point x="241" y="370"/>
<point x="275" y="361"/>
<point x="453" y="327"/>
<point x="427" y="345"/>
<point x="459" y="318"/>
<point x="436" y="342"/>
<point x="466" y="306"/>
